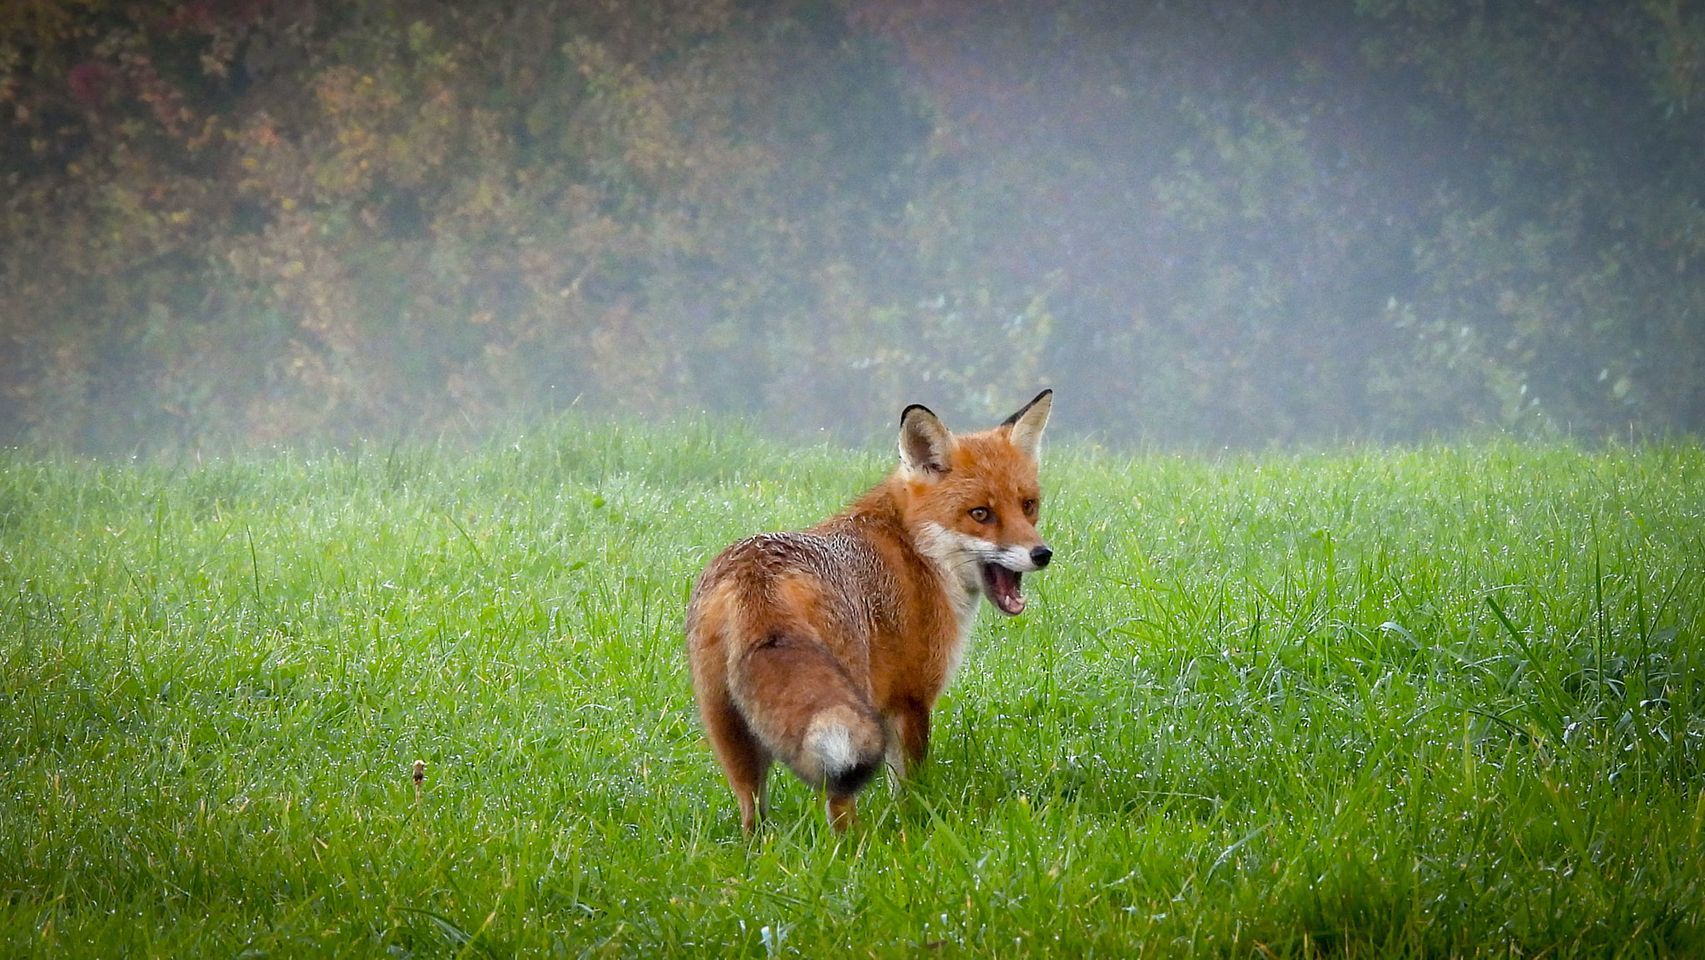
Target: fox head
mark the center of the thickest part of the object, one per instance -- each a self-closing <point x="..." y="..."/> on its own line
<point x="971" y="502"/>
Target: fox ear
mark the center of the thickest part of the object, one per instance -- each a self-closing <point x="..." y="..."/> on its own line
<point x="925" y="442"/>
<point x="1026" y="425"/>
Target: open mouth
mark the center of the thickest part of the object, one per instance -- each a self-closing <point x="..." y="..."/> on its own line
<point x="1000" y="585"/>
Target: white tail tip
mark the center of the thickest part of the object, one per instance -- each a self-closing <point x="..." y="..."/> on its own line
<point x="831" y="742"/>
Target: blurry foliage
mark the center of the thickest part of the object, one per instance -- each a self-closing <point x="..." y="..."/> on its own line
<point x="1563" y="284"/>
<point x="1217" y="223"/>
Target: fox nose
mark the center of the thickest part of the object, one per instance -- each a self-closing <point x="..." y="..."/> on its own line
<point x="1041" y="555"/>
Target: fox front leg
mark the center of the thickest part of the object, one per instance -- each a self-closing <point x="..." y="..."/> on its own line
<point x="908" y="742"/>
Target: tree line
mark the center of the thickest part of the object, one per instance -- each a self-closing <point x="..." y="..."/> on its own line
<point x="1214" y="223"/>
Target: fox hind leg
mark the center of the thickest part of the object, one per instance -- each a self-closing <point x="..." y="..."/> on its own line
<point x="843" y="811"/>
<point x="745" y="762"/>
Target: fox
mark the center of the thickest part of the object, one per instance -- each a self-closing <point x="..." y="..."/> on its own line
<point x="827" y="648"/>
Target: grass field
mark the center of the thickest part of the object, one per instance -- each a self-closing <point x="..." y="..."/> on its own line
<point x="1366" y="703"/>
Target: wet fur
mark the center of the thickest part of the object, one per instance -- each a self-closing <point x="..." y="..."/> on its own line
<point x="827" y="648"/>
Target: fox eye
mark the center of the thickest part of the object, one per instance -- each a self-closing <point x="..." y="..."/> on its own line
<point x="1030" y="507"/>
<point x="982" y="514"/>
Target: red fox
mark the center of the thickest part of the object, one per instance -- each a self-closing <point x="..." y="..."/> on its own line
<point x="827" y="648"/>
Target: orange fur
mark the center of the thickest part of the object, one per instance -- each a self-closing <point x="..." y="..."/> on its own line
<point x="827" y="648"/>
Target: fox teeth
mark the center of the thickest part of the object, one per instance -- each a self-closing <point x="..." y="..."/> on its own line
<point x="1001" y="586"/>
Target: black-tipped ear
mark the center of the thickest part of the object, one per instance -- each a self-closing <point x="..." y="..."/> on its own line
<point x="1027" y="423"/>
<point x="925" y="442"/>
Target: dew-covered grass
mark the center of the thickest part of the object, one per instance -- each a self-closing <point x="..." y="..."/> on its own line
<point x="1436" y="702"/>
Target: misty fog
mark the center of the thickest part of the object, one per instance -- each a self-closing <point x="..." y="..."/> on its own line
<point x="1204" y="224"/>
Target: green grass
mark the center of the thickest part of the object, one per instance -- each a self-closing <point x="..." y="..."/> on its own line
<point x="1368" y="703"/>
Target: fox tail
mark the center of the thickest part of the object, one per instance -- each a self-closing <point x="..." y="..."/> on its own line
<point x="804" y="707"/>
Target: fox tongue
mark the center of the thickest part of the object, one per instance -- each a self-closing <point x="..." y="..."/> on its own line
<point x="1003" y="588"/>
